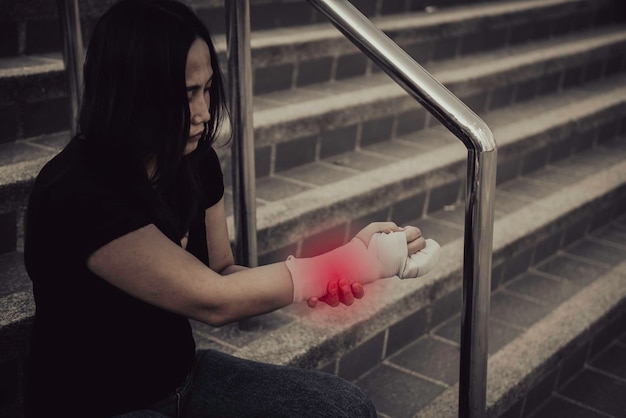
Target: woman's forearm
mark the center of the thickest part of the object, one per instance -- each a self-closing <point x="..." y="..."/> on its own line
<point x="249" y="292"/>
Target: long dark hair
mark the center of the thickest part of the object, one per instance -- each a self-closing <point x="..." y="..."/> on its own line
<point x="135" y="98"/>
<point x="135" y="103"/>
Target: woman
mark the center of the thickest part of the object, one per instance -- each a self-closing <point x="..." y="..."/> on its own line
<point x="126" y="238"/>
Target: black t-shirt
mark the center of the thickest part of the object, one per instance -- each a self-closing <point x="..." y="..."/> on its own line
<point x="96" y="350"/>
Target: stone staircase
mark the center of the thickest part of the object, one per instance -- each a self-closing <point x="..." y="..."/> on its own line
<point x="339" y="145"/>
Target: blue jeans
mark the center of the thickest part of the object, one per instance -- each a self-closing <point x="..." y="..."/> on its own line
<point x="225" y="386"/>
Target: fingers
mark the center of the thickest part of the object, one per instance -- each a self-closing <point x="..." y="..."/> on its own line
<point x="357" y="290"/>
<point x="416" y="245"/>
<point x="332" y="297"/>
<point x="412" y="233"/>
<point x="385" y="227"/>
<point x="339" y="292"/>
<point x="366" y="233"/>
<point x="345" y="292"/>
<point x="414" y="239"/>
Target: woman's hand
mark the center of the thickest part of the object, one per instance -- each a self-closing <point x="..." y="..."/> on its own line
<point x="342" y="291"/>
<point x="414" y="239"/>
<point x="339" y="292"/>
<point x="366" y="233"/>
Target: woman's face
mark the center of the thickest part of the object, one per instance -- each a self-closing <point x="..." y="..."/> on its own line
<point x="198" y="76"/>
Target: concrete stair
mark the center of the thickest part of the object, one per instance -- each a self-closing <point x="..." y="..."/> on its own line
<point x="339" y="145"/>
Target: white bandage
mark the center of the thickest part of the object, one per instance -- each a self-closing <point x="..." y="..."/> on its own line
<point x="422" y="262"/>
<point x="392" y="252"/>
<point x="386" y="256"/>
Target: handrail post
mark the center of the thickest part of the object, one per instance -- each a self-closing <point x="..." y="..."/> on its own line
<point x="73" y="55"/>
<point x="240" y="89"/>
<point x="481" y="175"/>
<point x="478" y="246"/>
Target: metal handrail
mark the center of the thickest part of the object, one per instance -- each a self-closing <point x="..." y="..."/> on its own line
<point x="73" y="55"/>
<point x="481" y="175"/>
<point x="240" y="89"/>
<point x="241" y="107"/>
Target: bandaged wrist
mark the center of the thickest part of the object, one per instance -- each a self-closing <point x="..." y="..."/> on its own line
<point x="311" y="276"/>
<point x="392" y="251"/>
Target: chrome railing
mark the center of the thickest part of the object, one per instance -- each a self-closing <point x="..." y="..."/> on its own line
<point x="481" y="176"/>
<point x="240" y="89"/>
<point x="73" y="55"/>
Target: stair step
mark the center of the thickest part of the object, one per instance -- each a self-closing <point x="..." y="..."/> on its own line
<point x="16" y="304"/>
<point x="376" y="178"/>
<point x="603" y="372"/>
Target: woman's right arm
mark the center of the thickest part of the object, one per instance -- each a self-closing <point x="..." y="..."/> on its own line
<point x="147" y="265"/>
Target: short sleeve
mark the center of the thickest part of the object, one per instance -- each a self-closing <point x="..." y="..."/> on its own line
<point x="96" y="217"/>
<point x="211" y="178"/>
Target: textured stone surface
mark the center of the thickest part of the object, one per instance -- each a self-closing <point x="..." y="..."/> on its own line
<point x="567" y="408"/>
<point x="576" y="271"/>
<point x="359" y="160"/>
<point x="547" y="289"/>
<point x="295" y="153"/>
<point x="18" y="310"/>
<point x="611" y="361"/>
<point x="20" y="152"/>
<point x="318" y="174"/>
<point x="367" y="355"/>
<point x="601" y="392"/>
<point x="405" y="331"/>
<point x="394" y="149"/>
<point x="516" y="265"/>
<point x="541" y="392"/>
<point x="610" y="255"/>
<point x="272" y="188"/>
<point x="232" y="335"/>
<point x="402" y="394"/>
<point x="13" y="277"/>
<point x="432" y="358"/>
<point x="500" y="333"/>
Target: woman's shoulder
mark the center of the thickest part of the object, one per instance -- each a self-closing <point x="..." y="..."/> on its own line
<point x="75" y="174"/>
<point x="67" y="170"/>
